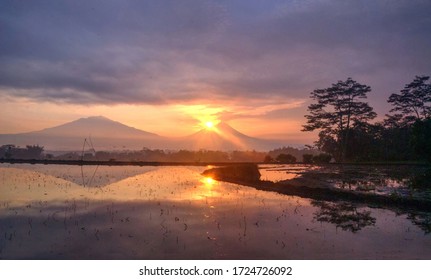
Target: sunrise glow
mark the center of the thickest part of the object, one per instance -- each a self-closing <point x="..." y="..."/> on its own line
<point x="209" y="125"/>
<point x="209" y="180"/>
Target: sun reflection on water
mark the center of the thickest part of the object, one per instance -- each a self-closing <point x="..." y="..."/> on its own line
<point x="208" y="181"/>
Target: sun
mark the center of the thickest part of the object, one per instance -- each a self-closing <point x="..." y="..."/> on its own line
<point x="209" y="124"/>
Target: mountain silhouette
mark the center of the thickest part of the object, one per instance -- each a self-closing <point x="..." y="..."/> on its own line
<point x="98" y="126"/>
<point x="225" y="138"/>
<point x="106" y="134"/>
<point x="103" y="133"/>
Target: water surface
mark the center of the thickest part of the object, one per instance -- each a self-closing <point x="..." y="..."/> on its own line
<point x="396" y="180"/>
<point x="128" y="212"/>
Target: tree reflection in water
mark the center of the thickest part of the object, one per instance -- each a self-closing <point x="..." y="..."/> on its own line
<point x="420" y="180"/>
<point x="421" y="220"/>
<point x="343" y="215"/>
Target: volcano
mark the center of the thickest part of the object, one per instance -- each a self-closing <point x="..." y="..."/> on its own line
<point x="223" y="137"/>
<point x="104" y="133"/>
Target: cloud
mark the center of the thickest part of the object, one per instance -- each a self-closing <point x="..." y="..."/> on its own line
<point x="161" y="52"/>
<point x="261" y="110"/>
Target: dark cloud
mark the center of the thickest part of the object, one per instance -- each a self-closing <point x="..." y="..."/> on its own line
<point x="109" y="52"/>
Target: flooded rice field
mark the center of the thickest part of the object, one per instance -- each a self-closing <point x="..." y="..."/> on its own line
<point x="392" y="180"/>
<point x="130" y="212"/>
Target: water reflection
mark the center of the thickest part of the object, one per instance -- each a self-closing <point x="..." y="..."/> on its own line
<point x="88" y="175"/>
<point x="404" y="180"/>
<point x="421" y="180"/>
<point x="175" y="213"/>
<point x="344" y="215"/>
<point x="422" y="220"/>
<point x="209" y="182"/>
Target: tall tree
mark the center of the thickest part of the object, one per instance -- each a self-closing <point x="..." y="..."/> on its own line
<point x="409" y="128"/>
<point x="336" y="111"/>
<point x="414" y="101"/>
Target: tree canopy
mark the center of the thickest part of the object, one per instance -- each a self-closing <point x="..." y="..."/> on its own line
<point x="337" y="109"/>
<point x="414" y="101"/>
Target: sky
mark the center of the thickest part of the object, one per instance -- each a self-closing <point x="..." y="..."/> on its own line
<point x="168" y="66"/>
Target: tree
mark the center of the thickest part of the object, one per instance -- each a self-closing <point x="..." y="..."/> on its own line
<point x="409" y="129"/>
<point x="34" y="151"/>
<point x="395" y="138"/>
<point x="322" y="158"/>
<point x="336" y="110"/>
<point x="268" y="159"/>
<point x="286" y="158"/>
<point x="421" y="138"/>
<point x="307" y="158"/>
<point x="414" y="101"/>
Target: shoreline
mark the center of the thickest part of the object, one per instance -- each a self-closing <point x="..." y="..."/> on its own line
<point x="190" y="163"/>
<point x="231" y="175"/>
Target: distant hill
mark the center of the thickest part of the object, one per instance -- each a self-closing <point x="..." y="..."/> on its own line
<point x="106" y="134"/>
<point x="225" y="138"/>
<point x="96" y="127"/>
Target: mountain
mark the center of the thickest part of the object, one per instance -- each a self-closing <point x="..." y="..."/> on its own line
<point x="225" y="138"/>
<point x="96" y="127"/>
<point x="103" y="133"/>
<point x="106" y="134"/>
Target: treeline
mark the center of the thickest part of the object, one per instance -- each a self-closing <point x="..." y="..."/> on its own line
<point x="293" y="155"/>
<point x="157" y="155"/>
<point x="280" y="155"/>
<point x="346" y="132"/>
<point x="29" y="152"/>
